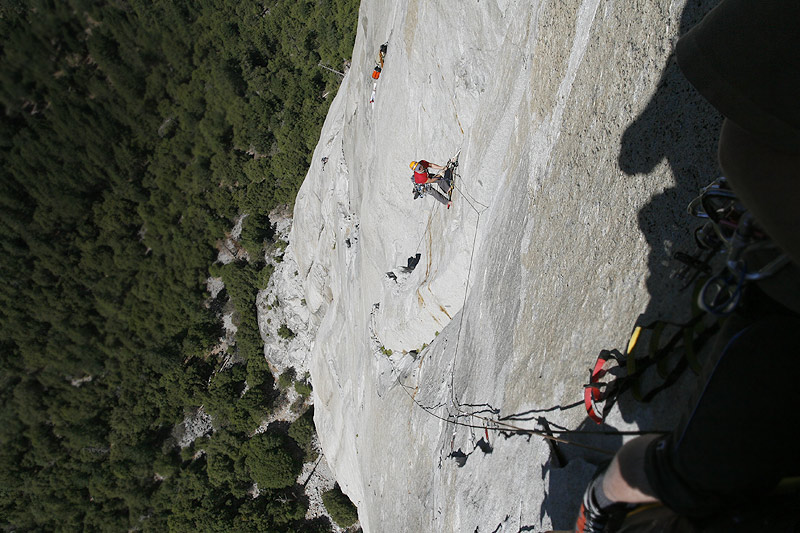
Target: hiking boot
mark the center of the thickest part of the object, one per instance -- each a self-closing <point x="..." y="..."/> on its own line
<point x="594" y="518"/>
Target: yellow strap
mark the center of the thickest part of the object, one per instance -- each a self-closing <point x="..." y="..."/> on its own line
<point x="643" y="507"/>
<point x="788" y="485"/>
<point x="634" y="338"/>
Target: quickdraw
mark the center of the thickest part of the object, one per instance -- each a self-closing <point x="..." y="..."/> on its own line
<point x="730" y="228"/>
<point x="597" y="392"/>
<point x="420" y="189"/>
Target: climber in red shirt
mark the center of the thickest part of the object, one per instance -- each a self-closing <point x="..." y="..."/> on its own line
<point x="421" y="174"/>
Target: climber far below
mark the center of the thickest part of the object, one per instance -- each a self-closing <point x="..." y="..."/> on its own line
<point x="376" y="72"/>
<point x="423" y="181"/>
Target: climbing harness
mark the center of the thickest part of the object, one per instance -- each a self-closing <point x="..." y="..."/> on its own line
<point x="730" y="230"/>
<point x="614" y="372"/>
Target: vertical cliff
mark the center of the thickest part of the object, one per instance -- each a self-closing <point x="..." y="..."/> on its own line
<point x="580" y="146"/>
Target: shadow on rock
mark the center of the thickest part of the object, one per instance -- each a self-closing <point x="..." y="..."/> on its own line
<point x="680" y="126"/>
<point x="460" y="457"/>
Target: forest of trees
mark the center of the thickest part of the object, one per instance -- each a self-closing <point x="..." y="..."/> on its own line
<point x="134" y="132"/>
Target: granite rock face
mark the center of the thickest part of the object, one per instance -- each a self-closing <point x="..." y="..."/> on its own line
<point x="581" y="145"/>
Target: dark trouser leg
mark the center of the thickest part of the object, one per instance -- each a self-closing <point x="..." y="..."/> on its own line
<point x="445" y="185"/>
<point x="439" y="196"/>
<point x="739" y="437"/>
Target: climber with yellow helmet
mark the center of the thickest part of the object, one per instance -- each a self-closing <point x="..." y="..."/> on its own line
<point x="421" y="174"/>
<point x="423" y="179"/>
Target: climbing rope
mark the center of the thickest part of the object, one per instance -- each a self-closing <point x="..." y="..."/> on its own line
<point x="463" y="312"/>
<point x="498" y="425"/>
<point x="470" y="199"/>
<point x="430" y="219"/>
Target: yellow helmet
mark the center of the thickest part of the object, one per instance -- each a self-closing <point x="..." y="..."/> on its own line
<point x="412" y="165"/>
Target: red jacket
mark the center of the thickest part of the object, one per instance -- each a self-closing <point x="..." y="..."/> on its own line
<point x="421" y="172"/>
